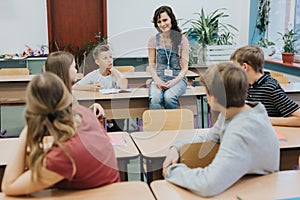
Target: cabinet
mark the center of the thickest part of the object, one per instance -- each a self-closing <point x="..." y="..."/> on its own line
<point x="35" y="64"/>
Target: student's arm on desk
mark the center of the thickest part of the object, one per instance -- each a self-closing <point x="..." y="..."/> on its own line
<point x="173" y="154"/>
<point x="293" y="120"/>
<point x="17" y="181"/>
<point x="94" y="88"/>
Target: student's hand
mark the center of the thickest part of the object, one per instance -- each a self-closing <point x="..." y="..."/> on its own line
<point x="97" y="110"/>
<point x="172" y="158"/>
<point x="109" y="71"/>
<point x="95" y="87"/>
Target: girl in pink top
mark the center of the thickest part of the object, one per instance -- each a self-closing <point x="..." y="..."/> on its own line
<point x="59" y="147"/>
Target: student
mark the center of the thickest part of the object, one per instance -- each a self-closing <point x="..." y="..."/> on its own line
<point x="58" y="147"/>
<point x="248" y="143"/>
<point x="168" y="53"/>
<point x="282" y="110"/>
<point x="106" y="77"/>
<point x="62" y="64"/>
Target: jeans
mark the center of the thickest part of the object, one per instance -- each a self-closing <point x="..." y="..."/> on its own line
<point x="167" y="99"/>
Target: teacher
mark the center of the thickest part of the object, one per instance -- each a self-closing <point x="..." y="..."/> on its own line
<point x="168" y="54"/>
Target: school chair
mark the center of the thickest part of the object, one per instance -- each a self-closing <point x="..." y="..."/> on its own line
<point x="124" y="69"/>
<point x="165" y="119"/>
<point x="14" y="72"/>
<point x="168" y="119"/>
<point x="219" y="53"/>
<point x="198" y="154"/>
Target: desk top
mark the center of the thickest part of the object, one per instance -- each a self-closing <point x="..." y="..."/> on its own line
<point x="8" y="146"/>
<point x="291" y="87"/>
<point x="132" y="75"/>
<point x="284" y="184"/>
<point x="134" y="93"/>
<point x="292" y="135"/>
<point x="129" y="150"/>
<point x="155" y="144"/>
<point x="16" y="78"/>
<point x="132" y="190"/>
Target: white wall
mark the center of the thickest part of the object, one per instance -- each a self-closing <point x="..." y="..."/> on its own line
<point x="22" y="23"/>
<point x="129" y="22"/>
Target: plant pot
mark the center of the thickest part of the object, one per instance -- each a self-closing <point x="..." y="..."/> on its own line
<point x="287" y="57"/>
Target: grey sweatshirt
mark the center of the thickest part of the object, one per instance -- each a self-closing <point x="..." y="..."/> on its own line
<point x="248" y="145"/>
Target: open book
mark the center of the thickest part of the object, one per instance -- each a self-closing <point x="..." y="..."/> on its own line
<point x="113" y="91"/>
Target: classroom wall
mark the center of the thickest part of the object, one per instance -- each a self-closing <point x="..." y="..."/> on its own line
<point x="22" y="22"/>
<point x="129" y="22"/>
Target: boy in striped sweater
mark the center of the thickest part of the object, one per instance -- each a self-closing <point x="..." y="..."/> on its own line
<point x="282" y="110"/>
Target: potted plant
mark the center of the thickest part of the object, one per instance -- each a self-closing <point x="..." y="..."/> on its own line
<point x="289" y="40"/>
<point x="208" y="30"/>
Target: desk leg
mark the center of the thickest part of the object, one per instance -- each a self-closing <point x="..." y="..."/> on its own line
<point x="154" y="169"/>
<point x="123" y="170"/>
<point x="2" y="168"/>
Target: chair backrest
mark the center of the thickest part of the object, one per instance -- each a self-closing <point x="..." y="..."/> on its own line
<point x="124" y="69"/>
<point x="199" y="154"/>
<point x="168" y="119"/>
<point x="14" y="71"/>
<point x="219" y="53"/>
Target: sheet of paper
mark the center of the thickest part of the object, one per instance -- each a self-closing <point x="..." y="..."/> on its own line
<point x="117" y="140"/>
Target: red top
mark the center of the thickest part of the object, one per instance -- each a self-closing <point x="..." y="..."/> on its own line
<point x="93" y="154"/>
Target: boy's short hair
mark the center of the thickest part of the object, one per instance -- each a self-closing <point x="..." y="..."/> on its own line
<point x="98" y="49"/>
<point x="227" y="82"/>
<point x="252" y="55"/>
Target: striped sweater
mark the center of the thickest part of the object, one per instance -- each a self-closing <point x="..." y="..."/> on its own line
<point x="268" y="91"/>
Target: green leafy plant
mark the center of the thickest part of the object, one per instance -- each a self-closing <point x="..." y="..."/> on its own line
<point x="262" y="20"/>
<point x="289" y="39"/>
<point x="209" y="30"/>
<point x="265" y="43"/>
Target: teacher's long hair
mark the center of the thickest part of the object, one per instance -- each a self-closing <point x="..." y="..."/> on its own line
<point x="48" y="113"/>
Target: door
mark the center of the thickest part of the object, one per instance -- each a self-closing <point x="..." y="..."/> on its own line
<point x="73" y="25"/>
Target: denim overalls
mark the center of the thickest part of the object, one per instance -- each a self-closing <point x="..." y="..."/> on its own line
<point x="168" y="98"/>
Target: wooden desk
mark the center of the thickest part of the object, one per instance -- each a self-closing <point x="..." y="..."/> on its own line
<point x="290" y="147"/>
<point x="284" y="184"/>
<point x="132" y="190"/>
<point x="292" y="90"/>
<point x="133" y="104"/>
<point x="138" y="79"/>
<point x="13" y="88"/>
<point x="123" y="153"/>
<point x="154" y="146"/>
<point x="8" y="146"/>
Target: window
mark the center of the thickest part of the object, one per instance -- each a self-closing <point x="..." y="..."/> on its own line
<point x="283" y="16"/>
